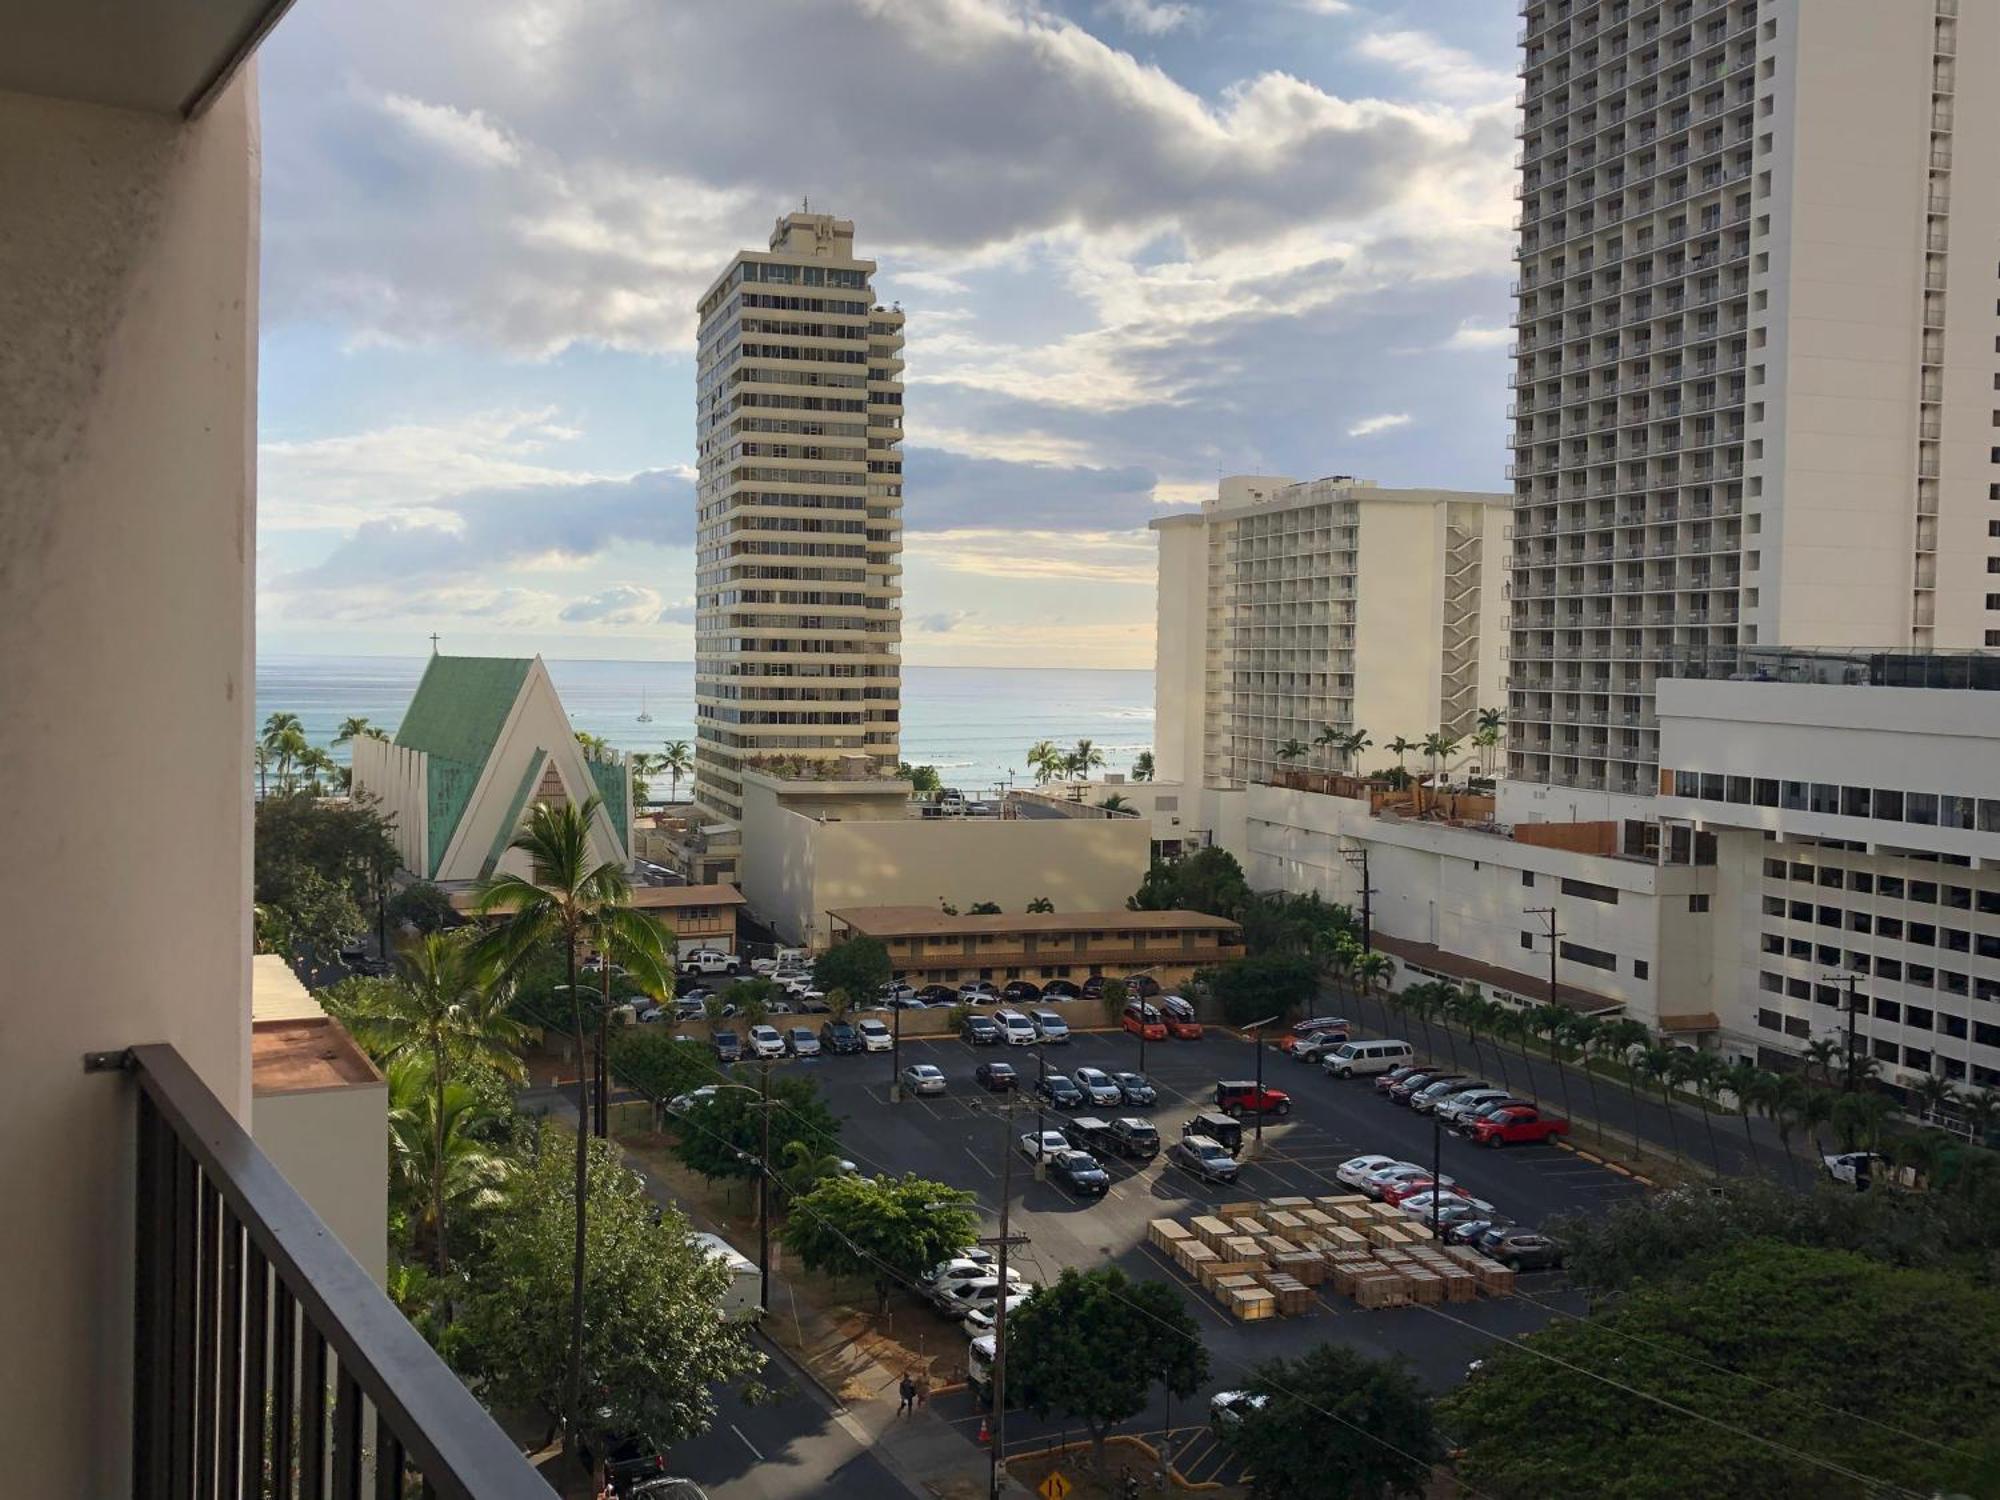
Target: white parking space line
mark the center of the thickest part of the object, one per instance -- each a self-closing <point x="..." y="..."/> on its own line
<point x="980" y="1163"/>
<point x="747" y="1443"/>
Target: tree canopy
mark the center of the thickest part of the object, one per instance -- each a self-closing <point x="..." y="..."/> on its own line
<point x="317" y="864"/>
<point x="860" y="965"/>
<point x="1209" y="880"/>
<point x="1797" y="1354"/>
<point x="422" y="905"/>
<point x="1248" y="989"/>
<point x="889" y="1230"/>
<point x="651" y="1061"/>
<point x="1335" y="1425"/>
<point x="1094" y="1344"/>
<point x="722" y="1135"/>
<point x="653" y="1345"/>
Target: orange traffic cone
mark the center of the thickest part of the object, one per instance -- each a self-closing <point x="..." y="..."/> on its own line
<point x="985" y="1436"/>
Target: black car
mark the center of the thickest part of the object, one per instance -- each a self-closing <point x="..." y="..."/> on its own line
<point x="1218" y="1127"/>
<point x="1060" y="1090"/>
<point x="630" y="1461"/>
<point x="839" y="1036"/>
<point x="1061" y="989"/>
<point x="1136" y="1089"/>
<point x="979" y="1031"/>
<point x="1093" y="988"/>
<point x="938" y="994"/>
<point x="996" y="1077"/>
<point x="1020" y="991"/>
<point x="1079" y="1172"/>
<point x="1207" y="1159"/>
<point x="1088" y="1133"/>
<point x="1135" y="1138"/>
<point x="1469" y="1231"/>
<point x="728" y="1046"/>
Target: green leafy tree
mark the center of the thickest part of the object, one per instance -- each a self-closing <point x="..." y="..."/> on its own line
<point x="1142" y="766"/>
<point x="423" y="906"/>
<point x="1084" y="759"/>
<point x="567" y="897"/>
<point x="889" y="1230"/>
<point x="1335" y="1425"/>
<point x="752" y="996"/>
<point x="1209" y="880"/>
<point x="655" y="1348"/>
<point x="675" y="762"/>
<point x="1094" y="1345"/>
<point x="1796" y="1354"/>
<point x="441" y="1172"/>
<point x="722" y="1136"/>
<point x="651" y="1061"/>
<point x="318" y="864"/>
<point x="1248" y="989"/>
<point x="860" y="965"/>
<point x="1116" y="993"/>
<point x="923" y="780"/>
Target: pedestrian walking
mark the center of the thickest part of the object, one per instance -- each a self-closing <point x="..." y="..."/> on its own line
<point x="909" y="1389"/>
<point x="923" y="1389"/>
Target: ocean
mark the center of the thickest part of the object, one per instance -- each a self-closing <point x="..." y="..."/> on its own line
<point x="974" y="724"/>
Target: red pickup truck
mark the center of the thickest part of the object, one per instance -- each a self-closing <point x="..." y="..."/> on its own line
<point x="1512" y="1127"/>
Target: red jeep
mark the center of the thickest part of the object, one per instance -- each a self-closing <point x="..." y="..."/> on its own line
<point x="1522" y="1123"/>
<point x="1246" y="1098"/>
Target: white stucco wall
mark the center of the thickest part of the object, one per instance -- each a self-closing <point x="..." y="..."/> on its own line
<point x="128" y="296"/>
<point x="397" y="777"/>
<point x="333" y="1146"/>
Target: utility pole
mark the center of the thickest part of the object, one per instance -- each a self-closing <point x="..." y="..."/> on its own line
<point x="1853" y="1005"/>
<point x="1556" y="934"/>
<point x="1256" y="1030"/>
<point x="1002" y="1240"/>
<point x="1359" y="857"/>
<point x="896" y="1051"/>
<point x="764" y="1196"/>
<point x="1041" y="1121"/>
<point x="1437" y="1170"/>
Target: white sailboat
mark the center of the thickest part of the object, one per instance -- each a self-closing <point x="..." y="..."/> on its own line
<point x="644" y="717"/>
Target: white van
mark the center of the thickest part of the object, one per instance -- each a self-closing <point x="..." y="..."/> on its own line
<point x="1350" y="1059"/>
<point x="738" y="1302"/>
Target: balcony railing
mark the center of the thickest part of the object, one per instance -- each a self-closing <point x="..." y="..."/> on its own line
<point x="265" y="1359"/>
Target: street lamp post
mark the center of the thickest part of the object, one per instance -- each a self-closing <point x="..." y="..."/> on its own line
<point x="895" y="1050"/>
<point x="1256" y="1030"/>
<point x="763" y="1160"/>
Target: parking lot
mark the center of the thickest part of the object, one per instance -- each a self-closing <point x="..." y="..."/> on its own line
<point x="959" y="1138"/>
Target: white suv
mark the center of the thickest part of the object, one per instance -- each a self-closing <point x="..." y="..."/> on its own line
<point x="766" y="1042"/>
<point x="1050" y="1027"/>
<point x="1017" y="1028"/>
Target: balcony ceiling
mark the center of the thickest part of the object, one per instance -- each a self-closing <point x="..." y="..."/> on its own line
<point x="165" y="56"/>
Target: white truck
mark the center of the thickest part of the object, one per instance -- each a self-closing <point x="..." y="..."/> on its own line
<point x="710" y="961"/>
<point x="740" y="1300"/>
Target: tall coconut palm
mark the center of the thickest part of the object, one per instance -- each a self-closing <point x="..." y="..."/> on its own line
<point x="1858" y="1119"/>
<point x="1703" y="1071"/>
<point x="1084" y="759"/>
<point x="677" y="760"/>
<point x="1746" y="1081"/>
<point x="317" y="767"/>
<point x="1046" y="761"/>
<point x="354" y="727"/>
<point x="260" y="756"/>
<point x="1142" y="766"/>
<point x="1400" y="747"/>
<point x="436" y="1012"/>
<point x="643" y="948"/>
<point x="1820" y="1053"/>
<point x="276" y="728"/>
<point x="1981" y="1107"/>
<point x="1351" y="746"/>
<point x="1622" y="1039"/>
<point x="1548" y="1021"/>
<point x="595" y="747"/>
<point x="566" y="897"/>
<point x="1291" y="750"/>
<point x="436" y="1167"/>
<point x="1584" y="1032"/>
<point x="1330" y="737"/>
<point x="289" y="748"/>
<point x="1815" y="1110"/>
<point x="1657" y="1064"/>
<point x="1934" y="1098"/>
<point x="1785" y="1103"/>
<point x="1485" y="1015"/>
<point x="1445" y="998"/>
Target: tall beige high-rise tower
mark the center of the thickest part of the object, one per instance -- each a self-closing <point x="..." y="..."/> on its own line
<point x="799" y="425"/>
<point x="1756" y="376"/>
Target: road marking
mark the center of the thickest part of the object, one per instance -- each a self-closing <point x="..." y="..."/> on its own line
<point x="844" y="1420"/>
<point x="977" y="1162"/>
<point x="747" y="1443"/>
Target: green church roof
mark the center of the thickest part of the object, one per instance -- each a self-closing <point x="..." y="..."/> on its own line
<point x="462" y="704"/>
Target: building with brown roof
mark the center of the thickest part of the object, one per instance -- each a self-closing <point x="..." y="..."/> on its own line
<point x="930" y="946"/>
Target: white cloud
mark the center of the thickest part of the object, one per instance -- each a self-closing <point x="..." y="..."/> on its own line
<point x="1325" y="7"/>
<point x="621" y="604"/>
<point x="1369" y="426"/>
<point x="1436" y="66"/>
<point x="1017" y="556"/>
<point x="1474" y="335"/>
<point x="1151" y="17"/>
<point x="467" y="134"/>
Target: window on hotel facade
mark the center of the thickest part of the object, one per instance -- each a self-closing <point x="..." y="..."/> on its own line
<point x="1597" y="958"/>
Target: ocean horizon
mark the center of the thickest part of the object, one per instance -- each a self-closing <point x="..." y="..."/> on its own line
<point x="974" y="724"/>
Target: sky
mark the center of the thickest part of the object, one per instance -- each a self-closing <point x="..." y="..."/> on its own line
<point x="1140" y="244"/>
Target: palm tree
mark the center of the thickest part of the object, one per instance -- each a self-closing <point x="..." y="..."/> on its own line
<point x="1484" y="1015"/>
<point x="1935" y="1098"/>
<point x="1439" y="749"/>
<point x="1351" y="746"/>
<point x="644" y="949"/>
<point x="1039" y="905"/>
<point x="1401" y="747"/>
<point x="595" y="747"/>
<point x="434" y="1013"/>
<point x="1980" y="1108"/>
<point x="276" y="729"/>
<point x="1702" y="1069"/>
<point x="1045" y="761"/>
<point x="316" y="763"/>
<point x="1815" y="1110"/>
<point x="1858" y="1119"/>
<point x="677" y="761"/>
<point x="1444" y="997"/>
<point x="1745" y="1080"/>
<point x="1658" y="1064"/>
<point x="1547" y="1021"/>
<point x="261" y="758"/>
<point x="1084" y="759"/>
<point x="1622" y="1038"/>
<point x="1290" y="751"/>
<point x="1583" y="1032"/>
<point x="644" y="768"/>
<point x="1114" y="803"/>
<point x="355" y="727"/>
<point x="289" y="748"/>
<point x="560" y="901"/>
<point x="1820" y="1053"/>
<point x="1142" y="766"/>
<point x="1786" y="1105"/>
<point x="1329" y="737"/>
<point x="435" y="1166"/>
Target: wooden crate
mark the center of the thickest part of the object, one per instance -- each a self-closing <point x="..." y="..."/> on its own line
<point x="1253" y="1304"/>
<point x="1344" y="1270"/>
<point x="1416" y="1229"/>
<point x="1333" y="1202"/>
<point x="1275" y="1245"/>
<point x="1345" y="1238"/>
<point x="1496" y="1280"/>
<point x="1387" y="1211"/>
<point x="1315" y="1218"/>
<point x="1167" y="1234"/>
<point x="1210" y="1271"/>
<point x="1211" y="1231"/>
<point x="1248" y="1224"/>
<point x="1242" y="1247"/>
<point x="1460" y="1285"/>
<point x="1294" y="1297"/>
<point x="1282" y="1222"/>
<point x="1302" y="1266"/>
<point x="1293" y="1202"/>
<point x="1383" y="1289"/>
<point x="1426" y="1287"/>
<point x="1239" y="1210"/>
<point x="1465" y="1255"/>
<point x="1318" y="1244"/>
<point x="1356" y="1213"/>
<point x="1192" y="1255"/>
<point x="1385" y="1234"/>
<point x="1225" y="1286"/>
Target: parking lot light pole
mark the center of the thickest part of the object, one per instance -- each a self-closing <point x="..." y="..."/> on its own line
<point x="1003" y="1240"/>
<point x="1256" y="1030"/>
<point x="1041" y="1122"/>
<point x="1437" y="1168"/>
<point x="895" y="1051"/>
<point x="763" y="1159"/>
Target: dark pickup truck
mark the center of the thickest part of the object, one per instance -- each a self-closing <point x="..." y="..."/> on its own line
<point x="1129" y="1137"/>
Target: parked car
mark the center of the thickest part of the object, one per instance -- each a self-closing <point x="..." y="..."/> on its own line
<point x="1049" y="1027"/>
<point x="1462" y="1104"/>
<point x="1092" y="988"/>
<point x="895" y="990"/>
<point x="916" y="1002"/>
<point x="1857" y="1169"/>
<point x="1226" y="1409"/>
<point x="1472" y="1114"/>
<point x="978" y="992"/>
<point x="1431" y="1095"/>
<point x="1405" y="1091"/>
<point x="765" y="1041"/>
<point x="1217" y="1127"/>
<point x="728" y="1048"/>
<point x="840" y="1037"/>
<point x="1099" y="1086"/>
<point x="1179" y="1015"/>
<point x="1468" y="1231"/>
<point x="1312" y="1026"/>
<point x="1316" y="1048"/>
<point x="689" y="1007"/>
<point x="1061" y="989"/>
<point x="1037" y="1144"/>
<point x="923" y="1078"/>
<point x="1377" y="1183"/>
<point x="680" y="1104"/>
<point x="1244" y="1097"/>
<point x="978" y="1319"/>
<point x="1207" y="1159"/>
<point x="981" y="1295"/>
<point x="1135" y="1138"/>
<point x="1017" y="1028"/>
<point x="957" y="1274"/>
<point x="1396" y="1193"/>
<point x="1060" y="1091"/>
<point x="938" y="994"/>
<point x="802" y="1041"/>
<point x="875" y="1035"/>
<point x="1451" y="1209"/>
<point x="1089" y="1133"/>
<point x="1143" y="1018"/>
<point x="811" y="1001"/>
<point x="979" y="1031"/>
<point x="969" y="1259"/>
<point x="1418" y="1205"/>
<point x="710" y="961"/>
<point x="1020" y="991"/>
<point x="1079" y="1172"/>
<point x="1526" y="1252"/>
<point x="996" y="1077"/>
<point x="1518" y="1124"/>
<point x="1356" y="1170"/>
<point x="1137" y="1090"/>
<point x="1389" y="1077"/>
